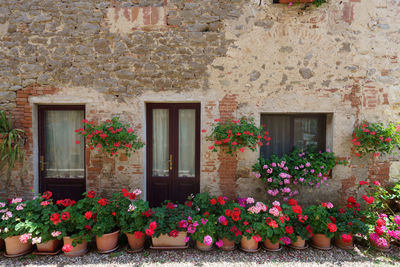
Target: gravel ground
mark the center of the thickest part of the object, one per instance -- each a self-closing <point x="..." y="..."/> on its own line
<point x="360" y="256"/>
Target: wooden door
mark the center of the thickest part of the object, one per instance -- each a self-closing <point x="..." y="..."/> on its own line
<point x="61" y="157"/>
<point x="173" y="151"/>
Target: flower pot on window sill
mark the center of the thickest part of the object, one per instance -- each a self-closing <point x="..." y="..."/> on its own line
<point x="14" y="247"/>
<point x="320" y="241"/>
<point x="108" y="242"/>
<point x="49" y="246"/>
<point x="136" y="243"/>
<point x="165" y="240"/>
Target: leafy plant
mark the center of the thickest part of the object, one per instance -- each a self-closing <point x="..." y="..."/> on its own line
<point x="298" y="223"/>
<point x="232" y="136"/>
<point x="375" y="138"/>
<point x="111" y="136"/>
<point x="252" y="217"/>
<point x="12" y="141"/>
<point x="206" y="231"/>
<point x="229" y="222"/>
<point x="321" y="219"/>
<point x="14" y="218"/>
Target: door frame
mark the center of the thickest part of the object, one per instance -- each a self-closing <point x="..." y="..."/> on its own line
<point x="172" y="106"/>
<point x="41" y="144"/>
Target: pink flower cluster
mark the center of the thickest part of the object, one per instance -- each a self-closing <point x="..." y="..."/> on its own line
<point x="25" y="237"/>
<point x="257" y="208"/>
<point x="207" y="240"/>
<point x="55" y="233"/>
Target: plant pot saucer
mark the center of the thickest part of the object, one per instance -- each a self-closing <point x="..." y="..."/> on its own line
<point x="205" y="249"/>
<point x="76" y="254"/>
<point x="108" y="251"/>
<point x="299" y="248"/>
<point x="228" y="249"/>
<point x="250" y="250"/>
<point x="17" y="255"/>
<point x="167" y="248"/>
<point x="40" y="253"/>
<point x="130" y="251"/>
<point x="321" y="248"/>
<point x="272" y="250"/>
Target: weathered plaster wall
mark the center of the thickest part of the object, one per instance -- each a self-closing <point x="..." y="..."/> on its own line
<point x="237" y="58"/>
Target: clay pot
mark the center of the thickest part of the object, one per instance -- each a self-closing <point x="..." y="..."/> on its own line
<point x="107" y="242"/>
<point x="49" y="246"/>
<point x="384" y="249"/>
<point x="16" y="247"/>
<point x="203" y="247"/>
<point x="248" y="244"/>
<point x="321" y="241"/>
<point x="227" y="244"/>
<point x="300" y="243"/>
<point x="135" y="243"/>
<point x="343" y="245"/>
<point x="78" y="250"/>
<point x="269" y="245"/>
<point x="294" y="1"/>
<point x="168" y="241"/>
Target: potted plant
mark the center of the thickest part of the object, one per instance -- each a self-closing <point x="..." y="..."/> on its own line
<point x="232" y="136"/>
<point x="228" y="225"/>
<point x="252" y="216"/>
<point x="205" y="233"/>
<point x="111" y="137"/>
<point x="132" y="217"/>
<point x="74" y="225"/>
<point x="44" y="232"/>
<point x="12" y="141"/>
<point x="349" y="224"/>
<point x="321" y="220"/>
<point x="14" y="230"/>
<point x="169" y="226"/>
<point x="298" y="229"/>
<point x="272" y="228"/>
<point x="375" y="138"/>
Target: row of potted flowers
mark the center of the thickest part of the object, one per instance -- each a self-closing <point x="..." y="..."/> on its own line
<point x="206" y="219"/>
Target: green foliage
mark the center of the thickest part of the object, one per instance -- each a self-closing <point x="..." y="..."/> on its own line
<point x="111" y="136"/>
<point x="14" y="218"/>
<point x="207" y="226"/>
<point x="375" y="138"/>
<point x="319" y="219"/>
<point x="233" y="136"/>
<point x="229" y="220"/>
<point x="298" y="222"/>
<point x="12" y="141"/>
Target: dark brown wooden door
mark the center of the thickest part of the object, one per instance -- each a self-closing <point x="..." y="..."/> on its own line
<point x="61" y="158"/>
<point x="173" y="151"/>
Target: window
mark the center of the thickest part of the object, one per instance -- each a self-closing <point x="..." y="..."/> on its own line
<point x="288" y="131"/>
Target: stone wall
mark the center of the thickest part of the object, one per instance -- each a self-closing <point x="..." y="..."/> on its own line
<point x="235" y="57"/>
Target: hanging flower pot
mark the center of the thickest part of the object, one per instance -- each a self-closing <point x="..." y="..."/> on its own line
<point x="203" y="247"/>
<point x="135" y="242"/>
<point x="227" y="244"/>
<point x="50" y="246"/>
<point x="271" y="246"/>
<point x="248" y="245"/>
<point x="108" y="242"/>
<point x="165" y="240"/>
<point x="299" y="244"/>
<point x="320" y="241"/>
<point x="78" y="250"/>
<point x="14" y="247"/>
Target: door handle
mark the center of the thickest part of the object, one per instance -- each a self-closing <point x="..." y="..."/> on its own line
<point x="170" y="162"/>
<point x="42" y="163"/>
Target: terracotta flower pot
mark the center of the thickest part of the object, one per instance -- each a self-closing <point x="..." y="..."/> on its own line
<point x="343" y="245"/>
<point x="78" y="250"/>
<point x="248" y="244"/>
<point x="300" y="243"/>
<point x="107" y="242"/>
<point x="381" y="248"/>
<point x="321" y="241"/>
<point x="269" y="245"/>
<point x="203" y="247"/>
<point x="16" y="247"/>
<point x="168" y="241"/>
<point x="227" y="244"/>
<point x="49" y="246"/>
<point x="135" y="243"/>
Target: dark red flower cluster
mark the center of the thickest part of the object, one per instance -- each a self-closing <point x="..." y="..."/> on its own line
<point x="102" y="202"/>
<point x="148" y="213"/>
<point x="66" y="202"/>
<point x="150" y="231"/>
<point x="47" y="195"/>
<point x="332" y="227"/>
<point x="170" y="206"/>
<point x="55" y="218"/>
<point x="369" y="200"/>
<point x="91" y="194"/>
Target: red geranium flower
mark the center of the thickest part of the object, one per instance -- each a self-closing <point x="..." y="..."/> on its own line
<point x="332" y="219"/>
<point x="236" y="211"/>
<point x="246" y="223"/>
<point x="65" y="215"/>
<point x="292" y="202"/>
<point x="206" y="214"/>
<point x="147" y="213"/>
<point x="309" y="229"/>
<point x="102" y="202"/>
<point x="351" y="200"/>
<point x="332" y="227"/>
<point x="221" y="200"/>
<point x="113" y="213"/>
<point x="257" y="238"/>
<point x="88" y="215"/>
<point x="228" y="213"/>
<point x="55" y="218"/>
<point x="363" y="183"/>
<point x="174" y="233"/>
<point x="297" y="209"/>
<point x="170" y="206"/>
<point x="189" y="204"/>
<point x="91" y="194"/>
<point x="138" y="234"/>
<point x="153" y="225"/>
<point x="124" y="192"/>
<point x="346" y="238"/>
<point x="132" y="196"/>
<point x="88" y="227"/>
<point x="369" y="200"/>
<point x="233" y="229"/>
<point x="289" y="230"/>
<point x="67" y="248"/>
<point x="380" y="222"/>
<point x="46" y="195"/>
<point x="213" y="201"/>
<point x="149" y="232"/>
